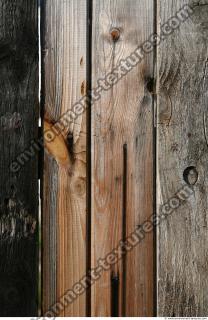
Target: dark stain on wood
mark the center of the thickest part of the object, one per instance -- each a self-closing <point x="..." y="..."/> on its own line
<point x="83" y="88"/>
<point x="70" y="143"/>
<point x="81" y="61"/>
<point x="151" y="85"/>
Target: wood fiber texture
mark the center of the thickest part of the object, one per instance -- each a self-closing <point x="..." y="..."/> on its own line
<point x="19" y="111"/>
<point x="122" y="157"/>
<point x="182" y="161"/>
<point x="64" y="205"/>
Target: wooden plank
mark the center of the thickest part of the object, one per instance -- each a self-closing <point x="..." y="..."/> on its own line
<point x="122" y="158"/>
<point x="18" y="184"/>
<point x="182" y="143"/>
<point x="64" y="208"/>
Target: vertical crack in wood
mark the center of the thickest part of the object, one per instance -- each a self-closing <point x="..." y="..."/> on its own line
<point x="154" y="187"/>
<point x="40" y="156"/>
<point x="125" y="170"/>
<point x="42" y="108"/>
<point x="114" y="295"/>
<point x="89" y="147"/>
<point x="49" y="234"/>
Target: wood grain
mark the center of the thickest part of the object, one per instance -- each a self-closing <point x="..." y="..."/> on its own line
<point x="64" y="208"/>
<point x="182" y="143"/>
<point x="19" y="110"/>
<point x="122" y="157"/>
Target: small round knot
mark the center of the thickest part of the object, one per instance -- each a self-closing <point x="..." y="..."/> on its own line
<point x="115" y="34"/>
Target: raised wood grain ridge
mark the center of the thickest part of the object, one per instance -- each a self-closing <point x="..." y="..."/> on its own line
<point x="122" y="158"/>
<point x="64" y="205"/>
<point x="19" y="111"/>
<point x="182" y="160"/>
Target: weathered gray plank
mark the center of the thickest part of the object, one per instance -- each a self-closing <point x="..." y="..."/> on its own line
<point x="64" y="208"/>
<point x="122" y="163"/>
<point x="18" y="184"/>
<point x="182" y="143"/>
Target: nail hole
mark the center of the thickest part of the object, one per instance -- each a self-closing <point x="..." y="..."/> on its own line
<point x="190" y="175"/>
<point x="115" y="34"/>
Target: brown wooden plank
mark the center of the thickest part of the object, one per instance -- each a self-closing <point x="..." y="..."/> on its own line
<point x="19" y="110"/>
<point x="122" y="158"/>
<point x="64" y="208"/>
<point x="182" y="143"/>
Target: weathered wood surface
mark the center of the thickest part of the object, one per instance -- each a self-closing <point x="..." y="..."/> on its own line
<point x="19" y="186"/>
<point x="182" y="143"/>
<point x="122" y="158"/>
<point x="64" y="208"/>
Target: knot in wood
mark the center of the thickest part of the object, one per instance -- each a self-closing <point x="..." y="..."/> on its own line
<point x="190" y="175"/>
<point x="115" y="34"/>
<point x="79" y="187"/>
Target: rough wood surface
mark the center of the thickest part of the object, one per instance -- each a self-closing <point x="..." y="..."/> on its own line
<point x="64" y="208"/>
<point x="122" y="163"/>
<point x="19" y="187"/>
<point x="182" y="143"/>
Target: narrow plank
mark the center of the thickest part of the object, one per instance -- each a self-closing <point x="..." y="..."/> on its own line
<point x="19" y="112"/>
<point x="182" y="160"/>
<point x="64" y="208"/>
<point x="122" y="158"/>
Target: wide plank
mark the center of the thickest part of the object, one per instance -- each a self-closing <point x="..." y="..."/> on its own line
<point x="19" y="112"/>
<point x="182" y="159"/>
<point x="122" y="157"/>
<point x="64" y="204"/>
